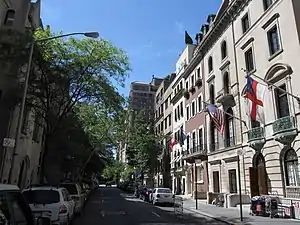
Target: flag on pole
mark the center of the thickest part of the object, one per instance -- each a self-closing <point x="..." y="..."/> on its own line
<point x="182" y="136"/>
<point x="217" y="116"/>
<point x="254" y="95"/>
<point x="172" y="143"/>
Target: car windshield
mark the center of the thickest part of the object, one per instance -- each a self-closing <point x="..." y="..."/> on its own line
<point x="72" y="189"/>
<point x="164" y="190"/>
<point x="41" y="196"/>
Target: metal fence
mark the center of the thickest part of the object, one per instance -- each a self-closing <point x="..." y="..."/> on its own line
<point x="178" y="205"/>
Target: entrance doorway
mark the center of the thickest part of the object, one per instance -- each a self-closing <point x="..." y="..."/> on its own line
<point x="258" y="176"/>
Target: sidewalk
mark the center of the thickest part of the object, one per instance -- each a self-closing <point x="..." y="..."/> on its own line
<point x="232" y="215"/>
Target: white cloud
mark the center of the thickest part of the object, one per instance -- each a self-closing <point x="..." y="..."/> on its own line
<point x="180" y="27"/>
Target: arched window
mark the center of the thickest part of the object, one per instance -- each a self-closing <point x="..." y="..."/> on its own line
<point x="210" y="64"/>
<point x="212" y="94"/>
<point x="229" y="128"/>
<point x="226" y="83"/>
<point x="223" y="49"/>
<point x="291" y="168"/>
<point x="9" y="17"/>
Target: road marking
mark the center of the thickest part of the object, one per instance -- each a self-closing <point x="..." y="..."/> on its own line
<point x="155" y="214"/>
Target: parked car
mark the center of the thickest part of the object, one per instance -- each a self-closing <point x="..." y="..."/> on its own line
<point x="145" y="194"/>
<point x="85" y="191"/>
<point x="162" y="196"/>
<point x="76" y="194"/>
<point x="14" y="209"/>
<point x="55" y="199"/>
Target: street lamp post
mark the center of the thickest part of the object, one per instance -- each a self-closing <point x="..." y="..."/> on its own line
<point x="25" y="90"/>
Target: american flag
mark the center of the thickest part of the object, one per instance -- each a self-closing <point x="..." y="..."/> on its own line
<point x="217" y="116"/>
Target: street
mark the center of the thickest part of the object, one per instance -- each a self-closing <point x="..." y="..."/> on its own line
<point x="108" y="206"/>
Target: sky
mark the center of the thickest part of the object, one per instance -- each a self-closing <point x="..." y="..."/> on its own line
<point x="150" y="31"/>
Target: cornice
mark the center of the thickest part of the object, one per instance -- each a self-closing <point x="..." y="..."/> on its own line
<point x="230" y="13"/>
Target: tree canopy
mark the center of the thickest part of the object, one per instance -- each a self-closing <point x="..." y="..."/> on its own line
<point x="77" y="78"/>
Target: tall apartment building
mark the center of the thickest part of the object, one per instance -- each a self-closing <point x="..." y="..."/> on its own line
<point x="142" y="99"/>
<point x="17" y="17"/>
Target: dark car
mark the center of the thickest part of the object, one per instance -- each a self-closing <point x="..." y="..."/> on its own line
<point x="108" y="184"/>
<point x="145" y="194"/>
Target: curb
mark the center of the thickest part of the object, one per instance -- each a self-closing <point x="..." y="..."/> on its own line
<point x="208" y="215"/>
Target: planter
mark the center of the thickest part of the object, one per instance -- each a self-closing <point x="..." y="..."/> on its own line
<point x="199" y="83"/>
<point x="186" y="94"/>
<point x="192" y="90"/>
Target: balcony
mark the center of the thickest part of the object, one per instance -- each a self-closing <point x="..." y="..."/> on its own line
<point x="177" y="96"/>
<point x="284" y="130"/>
<point x="292" y="191"/>
<point x="256" y="138"/>
<point x="196" y="152"/>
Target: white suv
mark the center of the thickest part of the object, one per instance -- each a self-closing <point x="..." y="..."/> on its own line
<point x="76" y="194"/>
<point x="55" y="199"/>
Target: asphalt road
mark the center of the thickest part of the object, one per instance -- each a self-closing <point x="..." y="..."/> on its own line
<point x="108" y="206"/>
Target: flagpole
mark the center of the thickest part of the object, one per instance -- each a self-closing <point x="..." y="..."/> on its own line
<point x="237" y="118"/>
<point x="273" y="85"/>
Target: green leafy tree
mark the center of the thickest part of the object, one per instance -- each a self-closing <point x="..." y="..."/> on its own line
<point x="144" y="145"/>
<point x="67" y="72"/>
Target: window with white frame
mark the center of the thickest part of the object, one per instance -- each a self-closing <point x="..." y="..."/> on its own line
<point x="199" y="103"/>
<point x="193" y="109"/>
<point x="200" y="138"/>
<point x="187" y="85"/>
<point x="273" y="40"/>
<point x="187" y="113"/>
<point x="198" y="73"/>
<point x="282" y="101"/>
<point x="192" y="80"/>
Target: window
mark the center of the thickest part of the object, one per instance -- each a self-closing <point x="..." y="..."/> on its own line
<point x="181" y="109"/>
<point x="20" y="209"/>
<point x="198" y="73"/>
<point x="255" y="123"/>
<point x="292" y="168"/>
<point x="9" y="17"/>
<point x="212" y="94"/>
<point x="223" y="50"/>
<point x="232" y="181"/>
<point x="267" y="4"/>
<point x="25" y="119"/>
<point x="245" y="23"/>
<point x="210" y="64"/>
<point x="166" y="122"/>
<point x="193" y="80"/>
<point x="71" y="188"/>
<point x="273" y="40"/>
<point x="229" y="129"/>
<point x="170" y="120"/>
<point x="282" y="104"/>
<point x="200" y="103"/>
<point x="194" y="141"/>
<point x="226" y="83"/>
<point x="188" y="113"/>
<point x="201" y="139"/>
<point x="42" y="196"/>
<point x="187" y="85"/>
<point x="249" y="61"/>
<point x="36" y="129"/>
<point x="5" y="214"/>
<point x="199" y="174"/>
<point x="216" y="182"/>
<point x="188" y="142"/>
<point x="193" y="109"/>
<point x="175" y="115"/>
<point x="166" y="103"/>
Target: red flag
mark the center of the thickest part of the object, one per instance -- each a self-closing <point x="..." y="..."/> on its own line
<point x="172" y="143"/>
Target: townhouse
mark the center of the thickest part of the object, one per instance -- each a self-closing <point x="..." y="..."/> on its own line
<point x="164" y="127"/>
<point x="17" y="18"/>
<point x="178" y="165"/>
<point x="195" y="129"/>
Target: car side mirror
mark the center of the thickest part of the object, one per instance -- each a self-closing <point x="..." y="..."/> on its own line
<point x="43" y="221"/>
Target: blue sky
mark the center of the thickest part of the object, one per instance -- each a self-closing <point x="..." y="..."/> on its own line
<point x="151" y="32"/>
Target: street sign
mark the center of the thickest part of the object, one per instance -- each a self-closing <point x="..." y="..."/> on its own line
<point x="9" y="142"/>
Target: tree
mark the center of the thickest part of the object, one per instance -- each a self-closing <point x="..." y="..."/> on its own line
<point x="144" y="145"/>
<point x="114" y="171"/>
<point x="72" y="71"/>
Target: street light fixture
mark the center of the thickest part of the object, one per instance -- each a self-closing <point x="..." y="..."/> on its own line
<point x="25" y="90"/>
